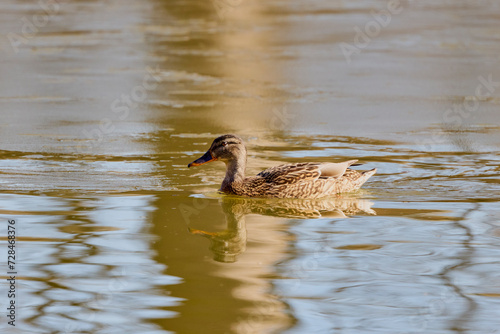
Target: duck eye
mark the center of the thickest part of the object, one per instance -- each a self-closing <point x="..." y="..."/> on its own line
<point x="224" y="144"/>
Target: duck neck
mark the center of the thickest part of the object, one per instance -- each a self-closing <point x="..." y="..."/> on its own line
<point x="235" y="174"/>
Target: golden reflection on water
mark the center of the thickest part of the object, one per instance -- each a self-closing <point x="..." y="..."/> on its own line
<point x="424" y="233"/>
<point x="221" y="296"/>
<point x="229" y="243"/>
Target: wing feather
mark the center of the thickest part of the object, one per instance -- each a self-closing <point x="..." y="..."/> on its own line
<point x="292" y="173"/>
<point x="301" y="172"/>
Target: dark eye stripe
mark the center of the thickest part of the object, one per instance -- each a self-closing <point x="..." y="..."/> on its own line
<point x="224" y="143"/>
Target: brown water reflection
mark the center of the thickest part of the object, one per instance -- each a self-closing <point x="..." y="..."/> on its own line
<point x="103" y="107"/>
<point x="229" y="243"/>
<point x="219" y="297"/>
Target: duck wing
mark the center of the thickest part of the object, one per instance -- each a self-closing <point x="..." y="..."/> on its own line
<point x="305" y="171"/>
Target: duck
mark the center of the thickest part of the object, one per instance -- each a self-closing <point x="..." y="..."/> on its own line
<point x="299" y="180"/>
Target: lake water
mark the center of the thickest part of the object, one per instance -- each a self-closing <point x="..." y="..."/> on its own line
<point x="104" y="104"/>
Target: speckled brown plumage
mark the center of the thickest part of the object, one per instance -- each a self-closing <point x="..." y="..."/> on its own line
<point x="301" y="180"/>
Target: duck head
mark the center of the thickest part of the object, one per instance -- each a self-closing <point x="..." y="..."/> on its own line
<point x="226" y="148"/>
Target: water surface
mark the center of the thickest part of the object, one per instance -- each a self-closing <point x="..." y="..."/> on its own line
<point x="107" y="102"/>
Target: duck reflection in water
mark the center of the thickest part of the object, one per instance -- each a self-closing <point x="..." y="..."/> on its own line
<point x="228" y="244"/>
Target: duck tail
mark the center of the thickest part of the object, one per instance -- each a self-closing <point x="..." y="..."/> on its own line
<point x="365" y="176"/>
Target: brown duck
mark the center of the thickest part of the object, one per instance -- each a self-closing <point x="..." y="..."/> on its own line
<point x="301" y="180"/>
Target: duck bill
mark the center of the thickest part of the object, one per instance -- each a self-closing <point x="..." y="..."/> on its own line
<point x="206" y="158"/>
